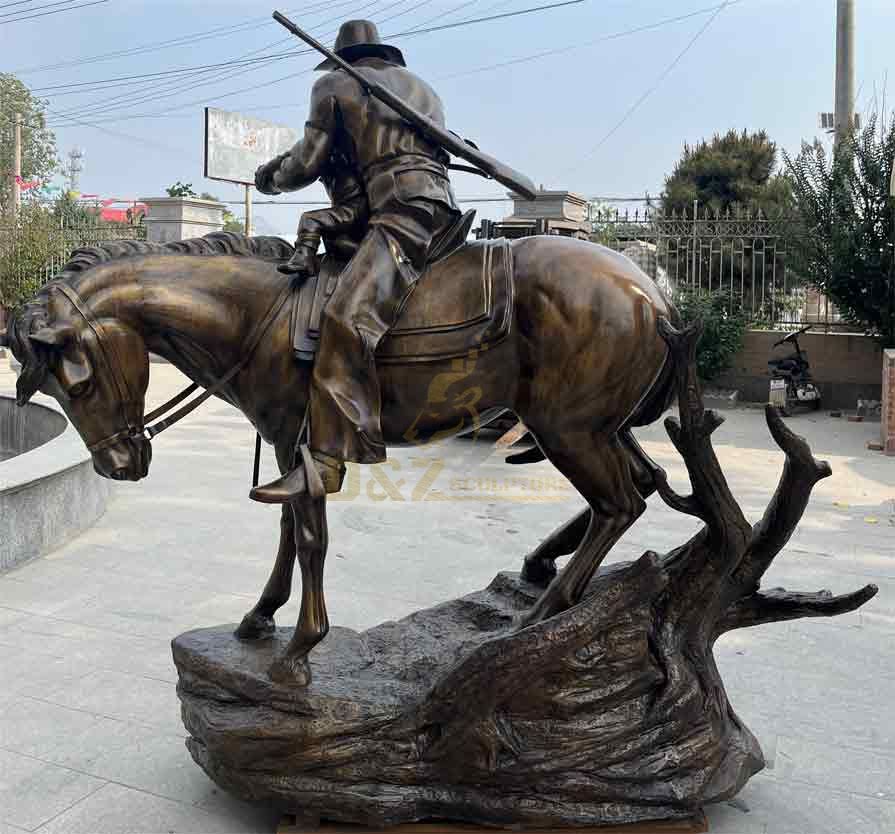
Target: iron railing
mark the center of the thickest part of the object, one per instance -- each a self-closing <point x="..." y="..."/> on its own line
<point x="743" y="254"/>
<point x="32" y="253"/>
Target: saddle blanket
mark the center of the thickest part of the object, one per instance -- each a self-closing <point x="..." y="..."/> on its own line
<point x="460" y="303"/>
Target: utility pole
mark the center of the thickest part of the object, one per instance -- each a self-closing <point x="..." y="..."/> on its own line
<point x="845" y="68"/>
<point x="15" y="194"/>
<point x="72" y="171"/>
<point x="248" y="210"/>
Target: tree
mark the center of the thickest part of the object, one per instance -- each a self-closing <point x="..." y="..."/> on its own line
<point x="731" y="171"/>
<point x="842" y="199"/>
<point x="39" y="160"/>
<point x="232" y="223"/>
<point x="181" y="189"/>
<point x="723" y="328"/>
<point x="26" y="253"/>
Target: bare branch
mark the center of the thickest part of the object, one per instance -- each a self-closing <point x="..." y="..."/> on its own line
<point x="801" y="472"/>
<point x="779" y="604"/>
<point x="711" y="500"/>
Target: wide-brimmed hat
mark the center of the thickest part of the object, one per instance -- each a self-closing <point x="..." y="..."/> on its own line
<point x="360" y="39"/>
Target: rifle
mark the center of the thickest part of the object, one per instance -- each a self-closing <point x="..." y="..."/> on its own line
<point x="435" y="133"/>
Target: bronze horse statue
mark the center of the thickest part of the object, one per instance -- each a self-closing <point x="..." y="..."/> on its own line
<point x="582" y="362"/>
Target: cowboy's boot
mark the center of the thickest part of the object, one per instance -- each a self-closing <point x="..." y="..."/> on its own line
<point x="303" y="262"/>
<point x="325" y="476"/>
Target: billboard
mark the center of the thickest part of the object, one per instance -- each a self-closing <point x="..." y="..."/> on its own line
<point x="235" y="145"/>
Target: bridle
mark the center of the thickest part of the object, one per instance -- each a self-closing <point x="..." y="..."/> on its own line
<point x="130" y="406"/>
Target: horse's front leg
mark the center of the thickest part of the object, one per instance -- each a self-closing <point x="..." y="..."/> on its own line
<point x="259" y="621"/>
<point x="313" y="624"/>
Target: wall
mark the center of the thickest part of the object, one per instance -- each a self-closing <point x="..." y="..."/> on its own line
<point x="49" y="492"/>
<point x="887" y="433"/>
<point x="181" y="218"/>
<point x="845" y="366"/>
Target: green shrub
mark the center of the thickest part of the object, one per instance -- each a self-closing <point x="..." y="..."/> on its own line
<point x="724" y="326"/>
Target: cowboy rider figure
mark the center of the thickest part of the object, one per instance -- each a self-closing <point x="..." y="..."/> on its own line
<point x="411" y="207"/>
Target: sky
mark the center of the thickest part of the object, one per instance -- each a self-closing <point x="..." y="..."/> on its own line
<point x="605" y="112"/>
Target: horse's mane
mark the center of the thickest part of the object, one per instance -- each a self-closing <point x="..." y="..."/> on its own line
<point x="32" y="315"/>
<point x="216" y="243"/>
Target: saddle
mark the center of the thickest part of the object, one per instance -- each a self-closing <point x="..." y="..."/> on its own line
<point x="462" y="302"/>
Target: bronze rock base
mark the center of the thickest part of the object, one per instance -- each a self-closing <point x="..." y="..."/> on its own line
<point x="581" y="720"/>
<point x="695" y="825"/>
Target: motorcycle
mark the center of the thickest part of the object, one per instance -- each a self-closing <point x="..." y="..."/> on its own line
<point x="793" y="376"/>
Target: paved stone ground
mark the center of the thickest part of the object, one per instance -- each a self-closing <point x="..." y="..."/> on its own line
<point x="90" y="732"/>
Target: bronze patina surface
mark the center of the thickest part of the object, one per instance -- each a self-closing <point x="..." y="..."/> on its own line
<point x="580" y="698"/>
<point x="556" y="368"/>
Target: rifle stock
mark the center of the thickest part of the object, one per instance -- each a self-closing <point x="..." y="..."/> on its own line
<point x="435" y="133"/>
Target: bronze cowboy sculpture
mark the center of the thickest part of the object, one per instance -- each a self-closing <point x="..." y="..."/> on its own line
<point x="595" y="701"/>
<point x="351" y="135"/>
<point x="519" y="323"/>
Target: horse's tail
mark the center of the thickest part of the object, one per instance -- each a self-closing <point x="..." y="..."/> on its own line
<point x="663" y="391"/>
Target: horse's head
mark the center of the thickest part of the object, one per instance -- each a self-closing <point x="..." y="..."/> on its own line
<point x="97" y="369"/>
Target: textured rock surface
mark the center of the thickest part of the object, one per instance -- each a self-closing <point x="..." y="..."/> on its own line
<point x="450" y="713"/>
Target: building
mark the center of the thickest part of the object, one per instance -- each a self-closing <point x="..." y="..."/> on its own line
<point x="550" y="213"/>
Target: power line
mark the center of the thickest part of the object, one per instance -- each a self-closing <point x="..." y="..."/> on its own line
<point x="650" y="90"/>
<point x="16" y="3"/>
<point x="291" y="76"/>
<point x="56" y="11"/>
<point x="113" y="82"/>
<point x="181" y="40"/>
<point x="488" y="18"/>
<point x="37" y="8"/>
<point x="564" y="49"/>
<point x="129" y="100"/>
<point x="106" y="82"/>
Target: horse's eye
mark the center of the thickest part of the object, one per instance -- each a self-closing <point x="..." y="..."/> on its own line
<point x="79" y="389"/>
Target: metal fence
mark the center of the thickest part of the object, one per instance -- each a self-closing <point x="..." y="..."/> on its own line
<point x="33" y="251"/>
<point x="745" y="255"/>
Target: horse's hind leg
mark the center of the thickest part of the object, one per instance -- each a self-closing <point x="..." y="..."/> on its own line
<point x="259" y="621"/>
<point x="311" y="539"/>
<point x="539" y="566"/>
<point x="601" y="470"/>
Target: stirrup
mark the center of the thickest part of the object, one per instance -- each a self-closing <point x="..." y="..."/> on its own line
<point x="316" y="476"/>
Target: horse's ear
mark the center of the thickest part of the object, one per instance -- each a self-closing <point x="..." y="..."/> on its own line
<point x="54" y="336"/>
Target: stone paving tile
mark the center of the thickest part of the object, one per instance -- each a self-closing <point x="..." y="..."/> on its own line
<point x="73" y="738"/>
<point x="841" y="709"/>
<point x="33" y="792"/>
<point x="119" y="695"/>
<point x="8" y="828"/>
<point x="157" y="764"/>
<point x="772" y="806"/>
<point x="830" y="764"/>
<point x="90" y="648"/>
<point x="37" y="728"/>
<point x="115" y="809"/>
<point x="27" y="671"/>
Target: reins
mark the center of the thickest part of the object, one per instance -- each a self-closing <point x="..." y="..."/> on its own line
<point x="137" y="427"/>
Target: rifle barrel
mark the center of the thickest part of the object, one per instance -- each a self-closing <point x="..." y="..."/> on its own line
<point x="435" y="133"/>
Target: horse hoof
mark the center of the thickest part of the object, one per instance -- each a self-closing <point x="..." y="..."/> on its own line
<point x="294" y="671"/>
<point x="255" y="627"/>
<point x="549" y="605"/>
<point x="539" y="572"/>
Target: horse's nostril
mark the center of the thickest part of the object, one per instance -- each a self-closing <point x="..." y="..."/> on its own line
<point x="120" y="474"/>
